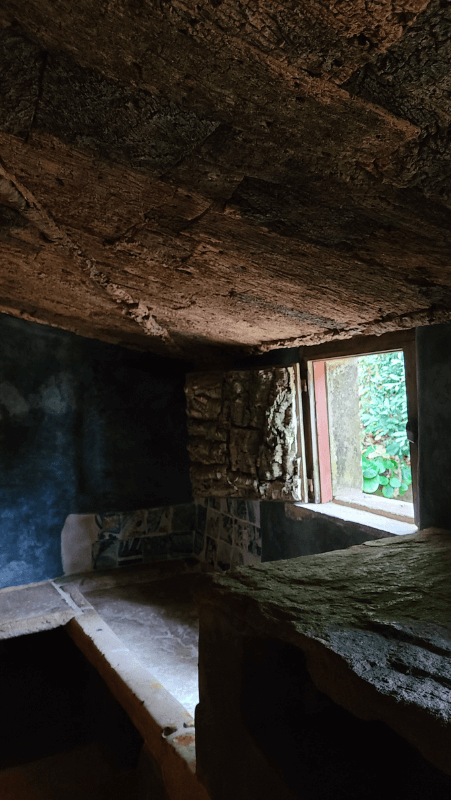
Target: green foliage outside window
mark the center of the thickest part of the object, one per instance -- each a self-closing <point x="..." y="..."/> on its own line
<point x="383" y="413"/>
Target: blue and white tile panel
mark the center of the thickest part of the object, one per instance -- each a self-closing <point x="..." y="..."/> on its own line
<point x="222" y="532"/>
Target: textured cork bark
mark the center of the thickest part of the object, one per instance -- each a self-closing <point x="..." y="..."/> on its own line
<point x="204" y="177"/>
<point x="243" y="434"/>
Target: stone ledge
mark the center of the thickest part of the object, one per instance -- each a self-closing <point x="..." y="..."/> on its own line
<point x="165" y="725"/>
<point x="373" y="621"/>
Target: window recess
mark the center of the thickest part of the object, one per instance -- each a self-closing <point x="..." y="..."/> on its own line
<point x="353" y="457"/>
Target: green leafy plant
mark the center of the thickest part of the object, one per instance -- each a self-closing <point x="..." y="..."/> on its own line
<point x="383" y="413"/>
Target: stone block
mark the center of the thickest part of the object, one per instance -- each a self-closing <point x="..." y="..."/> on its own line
<point x="204" y="408"/>
<point x="205" y="451"/>
<point x="249" y="448"/>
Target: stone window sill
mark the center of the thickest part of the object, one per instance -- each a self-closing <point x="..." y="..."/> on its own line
<point x="400" y="510"/>
<point x="365" y="519"/>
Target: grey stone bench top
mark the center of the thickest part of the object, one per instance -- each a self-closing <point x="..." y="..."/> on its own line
<point x="374" y="622"/>
<point x="164" y="723"/>
<point x="32" y="608"/>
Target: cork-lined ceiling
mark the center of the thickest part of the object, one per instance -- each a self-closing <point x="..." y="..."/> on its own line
<point x="176" y="175"/>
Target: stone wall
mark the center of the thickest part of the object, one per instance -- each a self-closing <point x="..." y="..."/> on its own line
<point x="243" y="434"/>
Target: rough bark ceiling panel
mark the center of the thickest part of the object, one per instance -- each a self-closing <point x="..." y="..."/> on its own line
<point x="197" y="177"/>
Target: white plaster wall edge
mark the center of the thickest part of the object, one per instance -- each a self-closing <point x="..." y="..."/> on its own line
<point x="79" y="533"/>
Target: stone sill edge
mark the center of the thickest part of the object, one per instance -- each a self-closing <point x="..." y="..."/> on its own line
<point x="165" y="725"/>
<point x="375" y="524"/>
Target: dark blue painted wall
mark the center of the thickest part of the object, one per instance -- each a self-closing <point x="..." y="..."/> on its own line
<point x="84" y="427"/>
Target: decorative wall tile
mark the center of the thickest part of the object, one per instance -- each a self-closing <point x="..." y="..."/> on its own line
<point x="223" y="505"/>
<point x="224" y="532"/>
<point x="223" y="556"/>
<point x="254" y="541"/>
<point x="105" y="553"/>
<point x="210" y="551"/>
<point x="236" y="557"/>
<point x="156" y="548"/>
<point x="214" y="502"/>
<point x="182" y="544"/>
<point x="241" y="509"/>
<point x="159" y="520"/>
<point x="201" y="518"/>
<point x="242" y="534"/>
<point x="129" y="552"/>
<point x="109" y="523"/>
<point x="199" y="544"/>
<point x="226" y="528"/>
<point x="253" y="511"/>
<point x="184" y="517"/>
<point x="133" y="524"/>
<point x="231" y="522"/>
<point x="212" y="523"/>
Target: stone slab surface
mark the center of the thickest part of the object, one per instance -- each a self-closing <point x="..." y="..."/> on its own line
<point x="22" y="602"/>
<point x="157" y="622"/>
<point x="374" y="622"/>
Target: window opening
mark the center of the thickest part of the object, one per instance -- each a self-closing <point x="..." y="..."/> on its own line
<point x="361" y="453"/>
<point x="386" y="462"/>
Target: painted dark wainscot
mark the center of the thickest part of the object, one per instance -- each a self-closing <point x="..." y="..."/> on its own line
<point x="434" y="425"/>
<point x="85" y="427"/>
<point x="283" y="537"/>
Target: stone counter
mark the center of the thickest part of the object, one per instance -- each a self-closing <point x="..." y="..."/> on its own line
<point x="367" y="630"/>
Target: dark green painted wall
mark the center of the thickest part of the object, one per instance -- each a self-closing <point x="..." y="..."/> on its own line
<point x="434" y="425"/>
<point x="84" y="427"/>
<point x="283" y="537"/>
